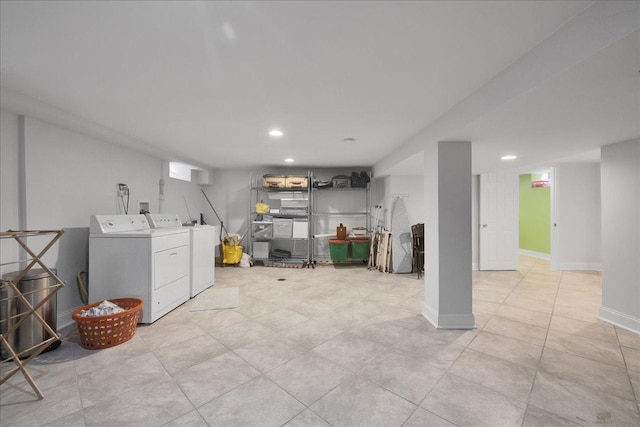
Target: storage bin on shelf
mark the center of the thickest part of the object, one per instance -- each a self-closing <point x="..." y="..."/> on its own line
<point x="262" y="229"/>
<point x="282" y="227"/>
<point x="97" y="332"/>
<point x="261" y="250"/>
<point x="273" y="181"/>
<point x="338" y="249"/>
<point x="296" y="182"/>
<point x="359" y="247"/>
<point x="300" y="228"/>
<point x="341" y="181"/>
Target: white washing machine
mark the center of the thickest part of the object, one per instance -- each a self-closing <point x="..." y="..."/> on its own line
<point x="204" y="239"/>
<point x="128" y="259"/>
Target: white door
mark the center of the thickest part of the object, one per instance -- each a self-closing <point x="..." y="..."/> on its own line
<point x="499" y="221"/>
<point x="555" y="232"/>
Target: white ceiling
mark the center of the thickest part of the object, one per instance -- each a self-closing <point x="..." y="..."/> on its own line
<point x="203" y="82"/>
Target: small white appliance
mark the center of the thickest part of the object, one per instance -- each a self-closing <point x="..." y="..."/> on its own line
<point x="128" y="259"/>
<point x="203" y="240"/>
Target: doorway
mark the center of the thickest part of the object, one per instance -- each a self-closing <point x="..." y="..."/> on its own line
<point x="535" y="198"/>
<point x="516" y="216"/>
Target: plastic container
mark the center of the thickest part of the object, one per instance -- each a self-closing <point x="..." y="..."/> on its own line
<point x="262" y="229"/>
<point x="360" y="248"/>
<point x="338" y="249"/>
<point x="260" y="250"/>
<point x="35" y="285"/>
<point x="231" y="254"/>
<point x="282" y="227"/>
<point x="300" y="229"/>
<point x="341" y="181"/>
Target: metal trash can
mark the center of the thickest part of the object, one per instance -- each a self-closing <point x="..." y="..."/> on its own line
<point x="35" y="287"/>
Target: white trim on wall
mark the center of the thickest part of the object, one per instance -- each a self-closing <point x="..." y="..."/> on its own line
<point x="534" y="254"/>
<point x="620" y="319"/>
<point x="580" y="266"/>
<point x="449" y="321"/>
<point x="64" y="319"/>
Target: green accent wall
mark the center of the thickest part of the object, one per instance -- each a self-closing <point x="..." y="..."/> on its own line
<point x="535" y="216"/>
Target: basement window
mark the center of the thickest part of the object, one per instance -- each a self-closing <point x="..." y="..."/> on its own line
<point x="189" y="173"/>
<point x="181" y="171"/>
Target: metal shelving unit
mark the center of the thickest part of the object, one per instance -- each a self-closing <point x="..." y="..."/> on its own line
<point x="265" y="241"/>
<point x="327" y="208"/>
<point x="333" y="206"/>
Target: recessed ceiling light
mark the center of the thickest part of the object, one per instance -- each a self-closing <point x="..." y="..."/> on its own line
<point x="508" y="157"/>
<point x="349" y="140"/>
<point x="275" y="132"/>
<point x="289" y="160"/>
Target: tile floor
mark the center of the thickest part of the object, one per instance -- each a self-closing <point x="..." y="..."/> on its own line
<point x="348" y="347"/>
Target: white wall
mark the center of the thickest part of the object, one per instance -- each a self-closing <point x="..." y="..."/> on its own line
<point x="386" y="204"/>
<point x="411" y="186"/>
<point x="620" y="171"/>
<point x="378" y="185"/>
<point x="577" y="208"/>
<point x="229" y="195"/>
<point x="181" y="197"/>
<point x="70" y="176"/>
<point x="475" y="221"/>
<point x="9" y="212"/>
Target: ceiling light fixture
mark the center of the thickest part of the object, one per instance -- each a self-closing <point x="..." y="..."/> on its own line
<point x="508" y="157"/>
<point x="275" y="132"/>
<point x="289" y="160"/>
<point x="349" y="140"/>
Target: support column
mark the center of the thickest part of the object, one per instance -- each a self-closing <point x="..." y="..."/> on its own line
<point x="620" y="181"/>
<point x="448" y="255"/>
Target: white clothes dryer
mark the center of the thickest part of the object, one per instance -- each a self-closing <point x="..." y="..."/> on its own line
<point x="203" y="240"/>
<point x="128" y="259"/>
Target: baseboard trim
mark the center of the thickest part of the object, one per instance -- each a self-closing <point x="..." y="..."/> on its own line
<point x="533" y="254"/>
<point x="619" y="319"/>
<point x="64" y="319"/>
<point x="449" y="321"/>
<point x="475" y="266"/>
<point x="580" y="266"/>
<point x="430" y="315"/>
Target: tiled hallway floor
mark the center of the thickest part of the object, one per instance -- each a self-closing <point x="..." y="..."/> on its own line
<point x="348" y="347"/>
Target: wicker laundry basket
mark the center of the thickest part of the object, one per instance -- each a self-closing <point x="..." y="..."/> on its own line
<point x="98" y="332"/>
